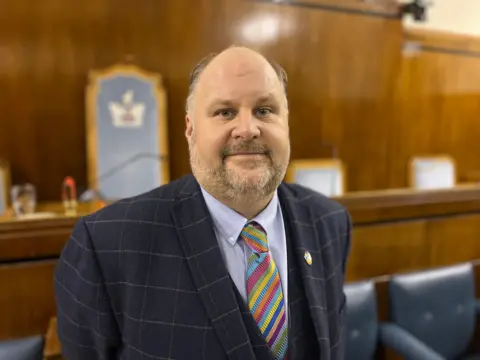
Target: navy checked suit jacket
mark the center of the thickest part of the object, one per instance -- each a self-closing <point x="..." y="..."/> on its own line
<point x="144" y="278"/>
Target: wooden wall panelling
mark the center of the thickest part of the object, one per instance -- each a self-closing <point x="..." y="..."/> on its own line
<point x="396" y="247"/>
<point x="26" y="298"/>
<point x="443" y="41"/>
<point x="453" y="239"/>
<point x="339" y="65"/>
<point x="350" y="87"/>
<point x="407" y="230"/>
<point x="370" y="207"/>
<point x="51" y="47"/>
<point x="378" y="249"/>
<point x="381" y="8"/>
<point x="436" y="105"/>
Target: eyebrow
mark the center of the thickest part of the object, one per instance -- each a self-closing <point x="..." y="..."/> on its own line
<point x="222" y="103"/>
<point x="266" y="99"/>
<point x="219" y="102"/>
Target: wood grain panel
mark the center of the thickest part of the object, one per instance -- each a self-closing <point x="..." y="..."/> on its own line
<point x="375" y="7"/>
<point x="353" y="93"/>
<point x="407" y="230"/>
<point x="370" y="207"/>
<point x="454" y="239"/>
<point x="338" y="87"/>
<point x="21" y="240"/>
<point x="340" y="66"/>
<point x="379" y="249"/>
<point x="443" y="41"/>
<point x="49" y="49"/>
<point x="437" y="101"/>
<point x="26" y="298"/>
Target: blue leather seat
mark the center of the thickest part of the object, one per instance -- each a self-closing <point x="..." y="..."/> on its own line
<point x="362" y="325"/>
<point x="433" y="313"/>
<point x="22" y="349"/>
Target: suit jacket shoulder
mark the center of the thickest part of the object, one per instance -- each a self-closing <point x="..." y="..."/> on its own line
<point x="322" y="207"/>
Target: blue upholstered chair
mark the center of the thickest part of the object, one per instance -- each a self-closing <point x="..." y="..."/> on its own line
<point x="433" y="314"/>
<point x="362" y="326"/>
<point x="22" y="349"/>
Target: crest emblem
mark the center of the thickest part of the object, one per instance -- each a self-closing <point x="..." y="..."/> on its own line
<point x="127" y="114"/>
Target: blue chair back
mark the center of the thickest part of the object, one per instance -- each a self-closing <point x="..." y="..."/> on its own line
<point x="30" y="348"/>
<point x="437" y="307"/>
<point x="362" y="325"/>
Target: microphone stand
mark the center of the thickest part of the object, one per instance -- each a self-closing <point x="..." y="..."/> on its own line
<point x="93" y="195"/>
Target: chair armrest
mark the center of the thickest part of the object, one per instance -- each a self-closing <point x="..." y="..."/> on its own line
<point x="405" y="344"/>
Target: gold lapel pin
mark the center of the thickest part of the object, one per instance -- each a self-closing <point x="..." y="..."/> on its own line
<point x="308" y="258"/>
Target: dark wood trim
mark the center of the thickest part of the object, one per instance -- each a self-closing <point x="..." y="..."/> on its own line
<point x="408" y="204"/>
<point x="385" y="9"/>
<point x="33" y="240"/>
<point x="443" y="42"/>
<point x="451" y="51"/>
<point x="14" y="225"/>
<point x="40" y="238"/>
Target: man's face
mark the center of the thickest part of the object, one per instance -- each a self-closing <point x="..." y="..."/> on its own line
<point x="238" y="131"/>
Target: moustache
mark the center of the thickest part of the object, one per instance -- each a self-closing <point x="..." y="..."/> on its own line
<point x="245" y="148"/>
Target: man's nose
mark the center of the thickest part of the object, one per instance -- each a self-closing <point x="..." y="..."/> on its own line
<point x="246" y="126"/>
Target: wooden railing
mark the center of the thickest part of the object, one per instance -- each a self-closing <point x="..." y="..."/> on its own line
<point x="394" y="231"/>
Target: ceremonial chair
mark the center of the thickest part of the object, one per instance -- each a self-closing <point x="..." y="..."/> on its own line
<point x="433" y="314"/>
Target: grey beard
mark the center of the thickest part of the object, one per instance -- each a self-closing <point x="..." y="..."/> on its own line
<point x="228" y="184"/>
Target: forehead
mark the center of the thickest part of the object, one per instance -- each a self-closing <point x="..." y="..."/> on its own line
<point x="239" y="80"/>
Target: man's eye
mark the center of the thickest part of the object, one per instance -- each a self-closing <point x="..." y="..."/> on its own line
<point x="262" y="112"/>
<point x="226" y="114"/>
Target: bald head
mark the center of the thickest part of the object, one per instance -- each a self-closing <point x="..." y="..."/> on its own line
<point x="236" y="61"/>
<point x="237" y="127"/>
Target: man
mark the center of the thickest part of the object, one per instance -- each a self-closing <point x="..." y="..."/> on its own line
<point x="229" y="263"/>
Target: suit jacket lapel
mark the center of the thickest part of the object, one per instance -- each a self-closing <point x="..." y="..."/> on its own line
<point x="209" y="272"/>
<point x="305" y="240"/>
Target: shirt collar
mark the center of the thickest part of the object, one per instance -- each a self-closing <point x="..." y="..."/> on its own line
<point x="230" y="224"/>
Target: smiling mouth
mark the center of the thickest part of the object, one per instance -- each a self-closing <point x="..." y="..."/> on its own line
<point x="246" y="154"/>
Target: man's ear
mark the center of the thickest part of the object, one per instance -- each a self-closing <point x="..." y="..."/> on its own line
<point x="188" y="127"/>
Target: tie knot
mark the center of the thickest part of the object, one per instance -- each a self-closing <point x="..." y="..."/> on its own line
<point x="255" y="237"/>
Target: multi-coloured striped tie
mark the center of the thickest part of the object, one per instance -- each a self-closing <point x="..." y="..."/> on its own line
<point x="264" y="291"/>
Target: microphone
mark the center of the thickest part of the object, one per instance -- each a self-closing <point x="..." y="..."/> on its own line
<point x="94" y="195"/>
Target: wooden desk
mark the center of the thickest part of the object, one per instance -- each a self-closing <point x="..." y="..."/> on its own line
<point x="368" y="207"/>
<point x="28" y="254"/>
<point x="37" y="238"/>
<point x="394" y="231"/>
<point x="27" y="240"/>
<point x="29" y="250"/>
<point x="408" y="230"/>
